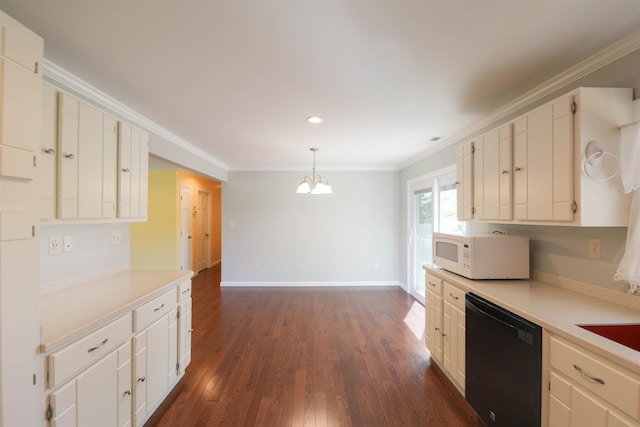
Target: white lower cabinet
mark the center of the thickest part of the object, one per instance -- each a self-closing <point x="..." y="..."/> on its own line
<point x="454" y="334"/>
<point x="184" y="327"/>
<point x="99" y="396"/>
<point x="445" y="328"/>
<point x="586" y="390"/>
<point x="117" y="375"/>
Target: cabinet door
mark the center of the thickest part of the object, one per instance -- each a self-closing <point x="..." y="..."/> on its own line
<point x="136" y="136"/>
<point x="140" y="378"/>
<point x="478" y="183"/>
<point x="434" y="325"/>
<point x="144" y="174"/>
<point x="184" y="331"/>
<point x="172" y="364"/>
<point x="90" y="132"/>
<point x="448" y="342"/>
<point x="48" y="159"/>
<point x="124" y="385"/>
<point x="124" y="170"/>
<point x="563" y="171"/>
<point x="21" y="97"/>
<point x="157" y="362"/>
<point x="505" y="181"/>
<point x="97" y="394"/>
<point x="68" y="122"/>
<point x="63" y="406"/>
<point x="109" y="166"/>
<point x="520" y="181"/>
<point x="491" y="174"/>
<point x="550" y="162"/>
<point x="464" y="175"/>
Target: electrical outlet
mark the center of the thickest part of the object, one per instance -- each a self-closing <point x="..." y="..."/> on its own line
<point x="54" y="245"/>
<point x="595" y="248"/>
<point x="67" y="242"/>
<point x="115" y="237"/>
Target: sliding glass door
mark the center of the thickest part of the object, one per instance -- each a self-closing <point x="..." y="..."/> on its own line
<point x="432" y="207"/>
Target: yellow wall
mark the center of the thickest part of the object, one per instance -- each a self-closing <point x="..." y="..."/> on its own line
<point x="155" y="243"/>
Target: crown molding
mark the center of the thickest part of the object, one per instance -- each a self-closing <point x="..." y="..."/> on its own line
<point x="62" y="77"/>
<point x="604" y="57"/>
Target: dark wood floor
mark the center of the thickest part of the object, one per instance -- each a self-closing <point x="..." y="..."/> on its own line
<point x="309" y="357"/>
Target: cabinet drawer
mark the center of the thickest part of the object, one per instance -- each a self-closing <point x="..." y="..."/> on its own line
<point x="153" y="310"/>
<point x="598" y="376"/>
<point x="454" y="295"/>
<point x="64" y="363"/>
<point x="184" y="290"/>
<point x="63" y="400"/>
<point x="434" y="285"/>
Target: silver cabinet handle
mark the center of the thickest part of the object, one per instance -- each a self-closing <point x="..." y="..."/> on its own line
<point x="141" y="379"/>
<point x="158" y="308"/>
<point x="518" y="169"/>
<point x="432" y="284"/>
<point x="69" y="156"/>
<point x="98" y="347"/>
<point x="186" y="291"/>
<point x="587" y="376"/>
<point x="504" y="171"/>
<point x="125" y="170"/>
<point x="453" y="296"/>
<point x="127" y="393"/>
<point x="49" y="150"/>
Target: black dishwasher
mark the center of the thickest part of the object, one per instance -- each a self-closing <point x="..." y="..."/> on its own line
<point x="503" y="365"/>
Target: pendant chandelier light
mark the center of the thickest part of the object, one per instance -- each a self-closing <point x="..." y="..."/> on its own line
<point x="314" y="184"/>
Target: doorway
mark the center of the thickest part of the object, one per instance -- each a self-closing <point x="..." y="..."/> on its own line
<point x="185" y="228"/>
<point x="420" y="237"/>
<point x="203" y="233"/>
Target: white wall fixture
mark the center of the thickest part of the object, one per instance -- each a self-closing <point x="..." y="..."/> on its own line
<point x="314" y="184"/>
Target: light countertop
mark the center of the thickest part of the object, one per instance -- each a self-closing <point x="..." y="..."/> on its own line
<point x="71" y="313"/>
<point x="557" y="310"/>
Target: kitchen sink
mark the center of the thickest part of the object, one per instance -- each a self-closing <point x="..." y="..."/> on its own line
<point x="622" y="333"/>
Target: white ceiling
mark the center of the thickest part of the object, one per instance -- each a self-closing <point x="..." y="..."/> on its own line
<point x="237" y="78"/>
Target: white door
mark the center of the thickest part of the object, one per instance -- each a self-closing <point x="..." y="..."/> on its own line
<point x="202" y="235"/>
<point x="420" y="238"/>
<point x="185" y="228"/>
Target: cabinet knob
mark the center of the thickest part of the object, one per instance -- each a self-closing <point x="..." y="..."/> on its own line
<point x="49" y="150"/>
<point x="125" y="170"/>
<point x="518" y="169"/>
<point x="504" y="171"/>
<point x="69" y="156"/>
<point x="127" y="392"/>
<point x="141" y="379"/>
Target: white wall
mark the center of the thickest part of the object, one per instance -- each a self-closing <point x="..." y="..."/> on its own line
<point x="280" y="236"/>
<point x="92" y="250"/>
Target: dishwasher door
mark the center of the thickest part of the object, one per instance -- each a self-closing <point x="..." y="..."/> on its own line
<point x="503" y="365"/>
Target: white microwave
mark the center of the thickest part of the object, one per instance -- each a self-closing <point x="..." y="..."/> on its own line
<point x="482" y="256"/>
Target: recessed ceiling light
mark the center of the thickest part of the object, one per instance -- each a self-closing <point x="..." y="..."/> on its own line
<point x="434" y="139"/>
<point x="314" y="119"/>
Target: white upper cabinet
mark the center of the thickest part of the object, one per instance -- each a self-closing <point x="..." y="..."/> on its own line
<point x="21" y="80"/>
<point x="47" y="156"/>
<point x="93" y="166"/>
<point x="109" y="166"/>
<point x="464" y="180"/>
<point x="133" y="171"/>
<point x="530" y="170"/>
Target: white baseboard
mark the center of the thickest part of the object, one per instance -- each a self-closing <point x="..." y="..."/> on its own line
<point x="69" y="282"/>
<point x="307" y="284"/>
